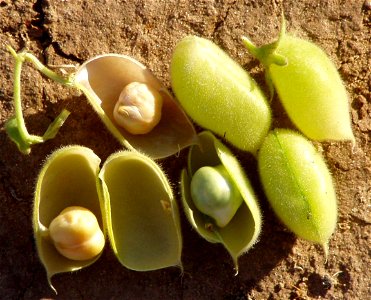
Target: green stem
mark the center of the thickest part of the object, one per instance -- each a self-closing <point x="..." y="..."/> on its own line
<point x="46" y="71"/>
<point x="268" y="55"/>
<point x="31" y="139"/>
<point x="16" y="127"/>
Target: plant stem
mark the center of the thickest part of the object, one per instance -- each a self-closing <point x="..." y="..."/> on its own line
<point x="46" y="71"/>
<point x="21" y="135"/>
<point x="31" y="139"/>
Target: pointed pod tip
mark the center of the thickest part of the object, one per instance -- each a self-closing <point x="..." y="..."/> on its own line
<point x="325" y="248"/>
<point x="50" y="283"/>
<point x="25" y="151"/>
<point x="181" y="267"/>
<point x="236" y="268"/>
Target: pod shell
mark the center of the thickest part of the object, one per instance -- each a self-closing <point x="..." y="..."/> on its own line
<point x="143" y="218"/>
<point x="218" y="94"/>
<point x="298" y="185"/>
<point x="68" y="178"/>
<point x="312" y="91"/>
<point x="102" y="79"/>
<point x="243" y="230"/>
<point x="308" y="85"/>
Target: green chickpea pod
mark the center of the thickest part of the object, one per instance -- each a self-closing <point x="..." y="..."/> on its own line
<point x="218" y="199"/>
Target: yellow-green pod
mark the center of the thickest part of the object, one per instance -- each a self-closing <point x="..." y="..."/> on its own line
<point x="298" y="185"/>
<point x="243" y="227"/>
<point x="69" y="178"/>
<point x="218" y="94"/>
<point x="308" y="85"/>
<point x="122" y="90"/>
<point x="143" y="218"/>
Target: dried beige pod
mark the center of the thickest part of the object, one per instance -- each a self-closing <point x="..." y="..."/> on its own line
<point x="233" y="217"/>
<point x="103" y="78"/>
<point x="143" y="219"/>
<point x="68" y="178"/>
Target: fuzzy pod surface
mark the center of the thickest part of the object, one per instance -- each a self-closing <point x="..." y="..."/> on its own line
<point x="68" y="178"/>
<point x="298" y="185"/>
<point x="218" y="94"/>
<point x="243" y="230"/>
<point x="308" y="85"/>
<point x="143" y="223"/>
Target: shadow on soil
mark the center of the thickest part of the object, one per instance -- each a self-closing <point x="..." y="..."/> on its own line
<point x="208" y="269"/>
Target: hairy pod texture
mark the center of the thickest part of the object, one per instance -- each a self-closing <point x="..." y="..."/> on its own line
<point x="242" y="228"/>
<point x="298" y="185"/>
<point x="218" y="94"/>
<point x="308" y="85"/>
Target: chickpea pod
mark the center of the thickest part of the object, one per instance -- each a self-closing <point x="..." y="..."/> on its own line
<point x="298" y="185"/>
<point x="76" y="234"/>
<point x="143" y="219"/>
<point x="308" y="85"/>
<point x="134" y="105"/>
<point x="68" y="222"/>
<point x="218" y="199"/>
<point x="218" y="94"/>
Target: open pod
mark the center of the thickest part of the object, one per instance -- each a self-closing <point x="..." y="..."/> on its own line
<point x="68" y="178"/>
<point x="102" y="80"/>
<point x="143" y="219"/>
<point x="242" y="231"/>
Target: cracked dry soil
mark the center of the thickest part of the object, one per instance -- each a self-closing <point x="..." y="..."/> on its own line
<point x="279" y="266"/>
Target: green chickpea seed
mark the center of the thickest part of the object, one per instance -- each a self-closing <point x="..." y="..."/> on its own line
<point x="218" y="199"/>
<point x="214" y="194"/>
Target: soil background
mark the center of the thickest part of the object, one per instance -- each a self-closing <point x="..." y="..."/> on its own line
<point x="280" y="266"/>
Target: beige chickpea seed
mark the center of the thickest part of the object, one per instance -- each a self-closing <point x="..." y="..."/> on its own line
<point x="76" y="234"/>
<point x="138" y="109"/>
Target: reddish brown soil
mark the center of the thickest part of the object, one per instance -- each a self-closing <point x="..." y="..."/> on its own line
<point x="280" y="266"/>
